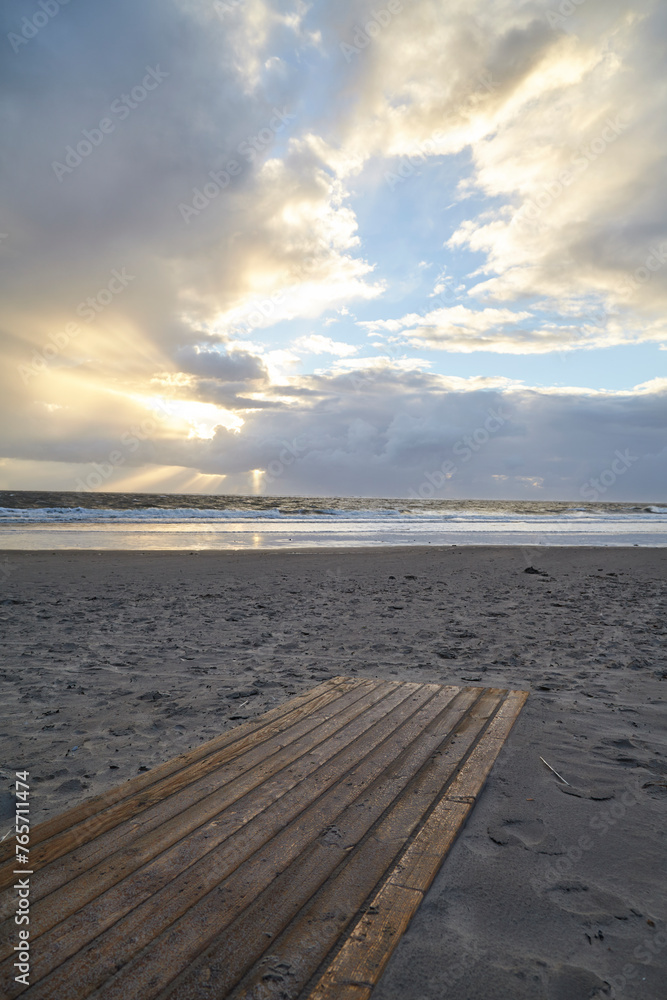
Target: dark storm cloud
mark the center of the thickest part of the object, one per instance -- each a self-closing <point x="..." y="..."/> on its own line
<point x="429" y="440"/>
<point x="236" y="367"/>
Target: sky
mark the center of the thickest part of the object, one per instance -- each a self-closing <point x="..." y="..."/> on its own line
<point x="334" y="248"/>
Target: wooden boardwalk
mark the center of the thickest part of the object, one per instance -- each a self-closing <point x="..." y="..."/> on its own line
<point x="283" y="859"/>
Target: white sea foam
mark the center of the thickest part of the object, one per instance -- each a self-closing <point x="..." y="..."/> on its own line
<point x="190" y="515"/>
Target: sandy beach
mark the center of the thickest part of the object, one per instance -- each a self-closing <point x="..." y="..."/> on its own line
<point x="114" y="662"/>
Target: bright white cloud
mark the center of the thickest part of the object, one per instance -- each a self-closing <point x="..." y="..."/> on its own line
<point x="315" y="343"/>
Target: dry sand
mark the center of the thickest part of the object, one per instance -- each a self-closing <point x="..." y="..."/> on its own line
<point x="114" y="662"/>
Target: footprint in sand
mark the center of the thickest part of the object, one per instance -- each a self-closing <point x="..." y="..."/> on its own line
<point x="579" y="897"/>
<point x="526" y="833"/>
<point x="571" y="982"/>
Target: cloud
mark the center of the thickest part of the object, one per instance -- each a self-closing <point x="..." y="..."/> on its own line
<point x="505" y="331"/>
<point x="389" y="438"/>
<point x="461" y="329"/>
<point x="384" y="431"/>
<point x="566" y="130"/>
<point x="245" y="195"/>
<point x="315" y="343"/>
<point x="238" y="366"/>
<point x="279" y="226"/>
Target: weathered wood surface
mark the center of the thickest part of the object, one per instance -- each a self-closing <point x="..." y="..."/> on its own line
<point x="283" y="859"/>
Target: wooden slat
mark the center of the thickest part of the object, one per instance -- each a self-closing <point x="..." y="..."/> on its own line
<point x="174" y="816"/>
<point x="193" y="891"/>
<point x="108" y="816"/>
<point x="74" y="925"/>
<point x="93" y="816"/>
<point x="67" y="820"/>
<point x="421" y="861"/>
<point x="361" y="961"/>
<point x="230" y="955"/>
<point x="469" y="783"/>
<point x="364" y="957"/>
<point x="318" y="925"/>
<point x="283" y="859"/>
<point x="86" y="884"/>
<point x="419" y="865"/>
<point x="184" y="940"/>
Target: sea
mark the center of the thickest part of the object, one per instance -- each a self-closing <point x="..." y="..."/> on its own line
<point x="193" y="522"/>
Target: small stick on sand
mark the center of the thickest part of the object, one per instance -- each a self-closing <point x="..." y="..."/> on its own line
<point x="559" y="776"/>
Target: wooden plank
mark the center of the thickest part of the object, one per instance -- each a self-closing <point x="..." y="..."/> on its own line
<point x="75" y="925"/>
<point x="113" y="807"/>
<point x="471" y="780"/>
<point x="230" y="956"/>
<point x="91" y="806"/>
<point x="173" y="816"/>
<point x="282" y="715"/>
<point x="359" y="965"/>
<point x="316" y="926"/>
<point x="364" y="955"/>
<point x="285" y="860"/>
<point x="421" y="861"/>
<point x="209" y="891"/>
<point x="239" y="890"/>
<point x="84" y="884"/>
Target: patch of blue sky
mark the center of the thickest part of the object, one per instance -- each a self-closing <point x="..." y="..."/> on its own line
<point x="421" y="211"/>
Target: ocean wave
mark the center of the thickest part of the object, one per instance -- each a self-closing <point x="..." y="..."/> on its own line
<point x="190" y="515"/>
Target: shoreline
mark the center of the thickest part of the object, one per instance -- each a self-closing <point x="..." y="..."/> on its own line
<point x="117" y="661"/>
<point x="322" y="549"/>
<point x="340" y="548"/>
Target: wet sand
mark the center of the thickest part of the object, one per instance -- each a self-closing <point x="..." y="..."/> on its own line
<point x="114" y="662"/>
